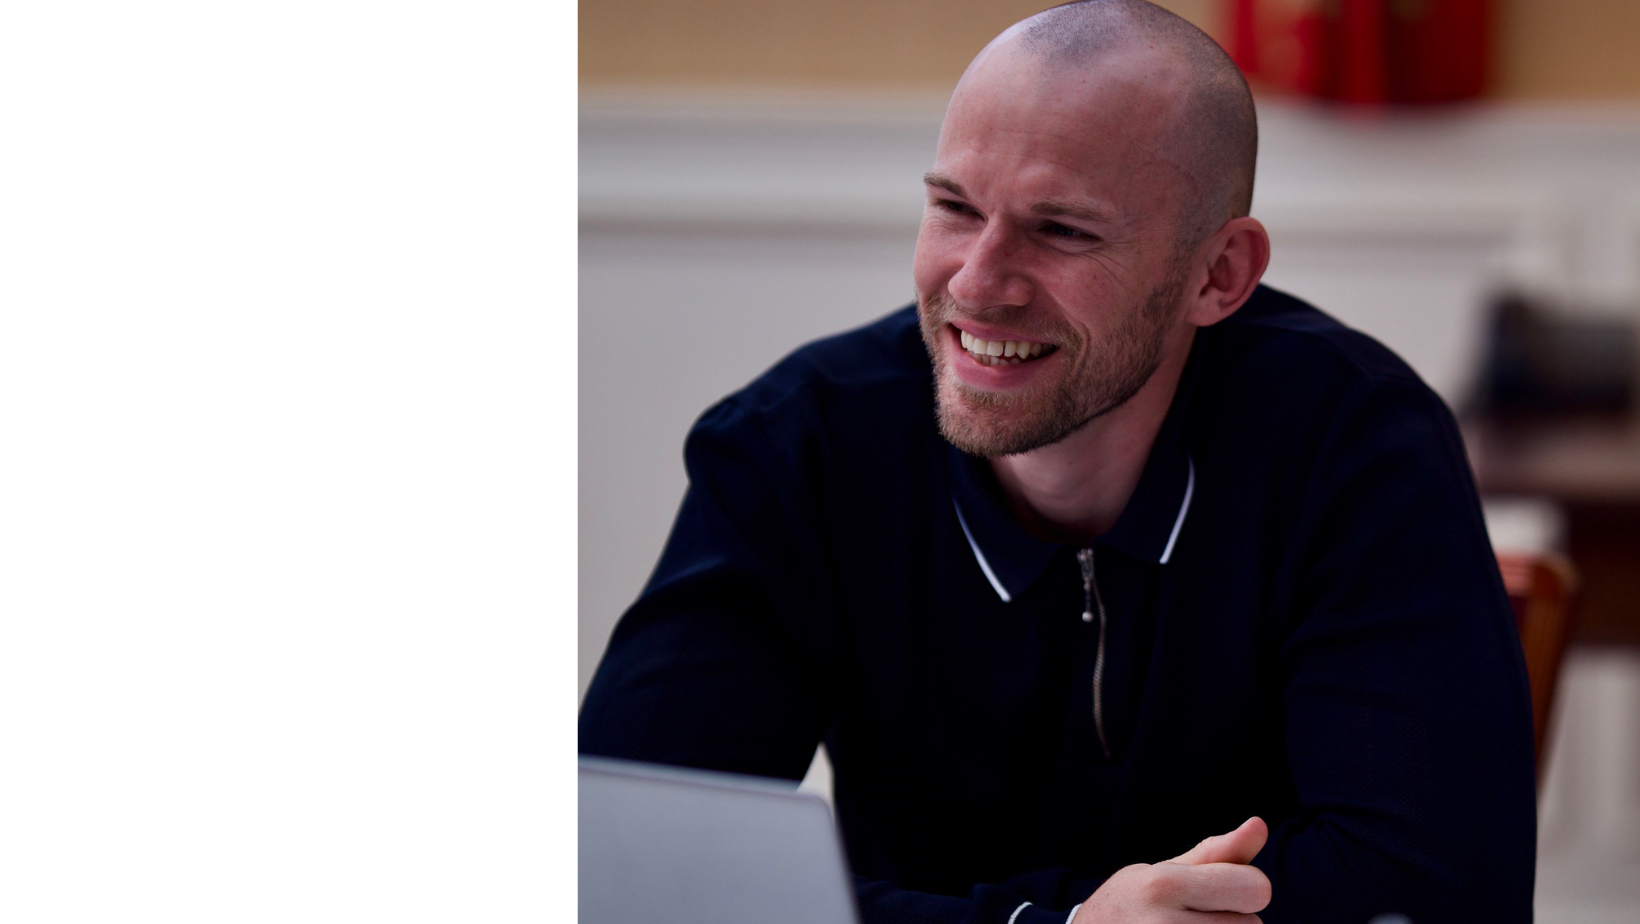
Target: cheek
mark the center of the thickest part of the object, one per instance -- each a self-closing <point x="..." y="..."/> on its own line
<point x="935" y="260"/>
<point x="1092" y="292"/>
<point x="1088" y="310"/>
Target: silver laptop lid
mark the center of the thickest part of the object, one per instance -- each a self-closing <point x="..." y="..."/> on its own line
<point x="692" y="847"/>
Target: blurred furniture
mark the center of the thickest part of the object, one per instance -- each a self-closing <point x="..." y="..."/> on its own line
<point x="1541" y="589"/>
<point x="1544" y="363"/>
<point x="1591" y="465"/>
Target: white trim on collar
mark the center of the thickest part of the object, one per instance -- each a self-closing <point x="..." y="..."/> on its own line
<point x="1184" y="508"/>
<point x="984" y="566"/>
<point x="1167" y="553"/>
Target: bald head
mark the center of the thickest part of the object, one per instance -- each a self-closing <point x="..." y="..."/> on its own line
<point x="1211" y="129"/>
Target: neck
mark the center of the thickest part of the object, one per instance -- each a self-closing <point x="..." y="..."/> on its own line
<point x="1074" y="490"/>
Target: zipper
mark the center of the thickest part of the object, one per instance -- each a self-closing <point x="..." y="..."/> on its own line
<point x="1091" y="603"/>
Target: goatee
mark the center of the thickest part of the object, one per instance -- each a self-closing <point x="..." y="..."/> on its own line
<point x="1090" y="379"/>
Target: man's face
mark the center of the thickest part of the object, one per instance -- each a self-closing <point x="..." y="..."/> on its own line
<point x="1051" y="222"/>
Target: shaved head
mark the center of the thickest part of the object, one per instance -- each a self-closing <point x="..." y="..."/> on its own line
<point x="1086" y="212"/>
<point x="1213" y="131"/>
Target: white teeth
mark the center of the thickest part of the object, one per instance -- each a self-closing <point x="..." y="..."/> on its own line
<point x="1000" y="352"/>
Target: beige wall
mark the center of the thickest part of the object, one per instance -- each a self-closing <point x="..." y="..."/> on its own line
<point x="1568" y="49"/>
<point x="796" y="42"/>
<point x="1546" y="49"/>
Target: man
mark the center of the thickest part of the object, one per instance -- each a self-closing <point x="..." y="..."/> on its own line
<point x="1103" y="550"/>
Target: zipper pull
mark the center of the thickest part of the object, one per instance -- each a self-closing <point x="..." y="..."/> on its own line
<point x="1084" y="557"/>
<point x="1091" y="599"/>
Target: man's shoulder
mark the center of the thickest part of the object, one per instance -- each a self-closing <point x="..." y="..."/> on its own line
<point x="1293" y="362"/>
<point x="1283" y="376"/>
<point x="1274" y="327"/>
<point x="835" y="411"/>
<point x="854" y="370"/>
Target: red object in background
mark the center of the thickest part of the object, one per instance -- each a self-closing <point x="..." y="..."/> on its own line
<point x="1279" y="43"/>
<point x="1437" y="50"/>
<point x="1355" y="44"/>
<point x="1363" y="51"/>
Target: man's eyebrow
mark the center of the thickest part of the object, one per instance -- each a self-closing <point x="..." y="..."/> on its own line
<point x="1048" y="207"/>
<point x="1062" y="209"/>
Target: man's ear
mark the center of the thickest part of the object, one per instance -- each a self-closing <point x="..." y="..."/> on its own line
<point x="1228" y="266"/>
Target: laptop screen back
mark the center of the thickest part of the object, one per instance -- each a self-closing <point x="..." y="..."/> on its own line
<point x="690" y="847"/>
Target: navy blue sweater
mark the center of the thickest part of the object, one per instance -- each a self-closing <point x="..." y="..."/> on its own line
<point x="1303" y="621"/>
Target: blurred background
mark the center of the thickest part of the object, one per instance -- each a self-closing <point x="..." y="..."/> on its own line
<point x="1458" y="178"/>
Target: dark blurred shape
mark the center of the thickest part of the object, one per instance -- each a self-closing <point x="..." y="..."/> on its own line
<point x="1555" y="416"/>
<point x="1364" y="51"/>
<point x="1541" y="364"/>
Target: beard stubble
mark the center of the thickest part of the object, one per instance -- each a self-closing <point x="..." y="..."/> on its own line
<point x="990" y="423"/>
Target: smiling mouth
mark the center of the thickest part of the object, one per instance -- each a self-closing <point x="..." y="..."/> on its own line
<point x="1003" y="352"/>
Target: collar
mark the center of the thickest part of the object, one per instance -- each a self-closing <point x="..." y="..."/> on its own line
<point x="1148" y="528"/>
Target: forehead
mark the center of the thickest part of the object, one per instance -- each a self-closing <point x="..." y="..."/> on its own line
<point x="1103" y="130"/>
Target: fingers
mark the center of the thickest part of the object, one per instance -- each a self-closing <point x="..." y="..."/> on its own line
<point x="1210" y="887"/>
<point x="1220" y="893"/>
<point x="1239" y="846"/>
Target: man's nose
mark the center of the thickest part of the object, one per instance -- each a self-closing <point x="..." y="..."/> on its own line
<point x="992" y="272"/>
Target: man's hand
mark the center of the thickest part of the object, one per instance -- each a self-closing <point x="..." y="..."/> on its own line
<point x="1210" y="882"/>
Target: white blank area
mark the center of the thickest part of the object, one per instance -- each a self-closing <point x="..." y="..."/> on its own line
<point x="276" y="492"/>
<point x="670" y="324"/>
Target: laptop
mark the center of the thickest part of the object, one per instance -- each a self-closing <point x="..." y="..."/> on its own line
<point x="694" y="847"/>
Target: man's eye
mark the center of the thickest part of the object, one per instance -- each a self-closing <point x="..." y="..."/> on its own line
<point x="1056" y="229"/>
<point x="960" y="208"/>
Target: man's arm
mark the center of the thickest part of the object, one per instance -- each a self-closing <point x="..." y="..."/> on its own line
<point x="719" y="664"/>
<point x="1211" y="883"/>
<point x="1408" y="722"/>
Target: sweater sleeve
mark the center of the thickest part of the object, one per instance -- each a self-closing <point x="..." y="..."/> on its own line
<point x="1408" y="718"/>
<point x="1049" y="896"/>
<point x="719" y="664"/>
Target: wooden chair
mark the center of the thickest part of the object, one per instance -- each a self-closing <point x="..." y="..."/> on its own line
<point x="1542" y="587"/>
